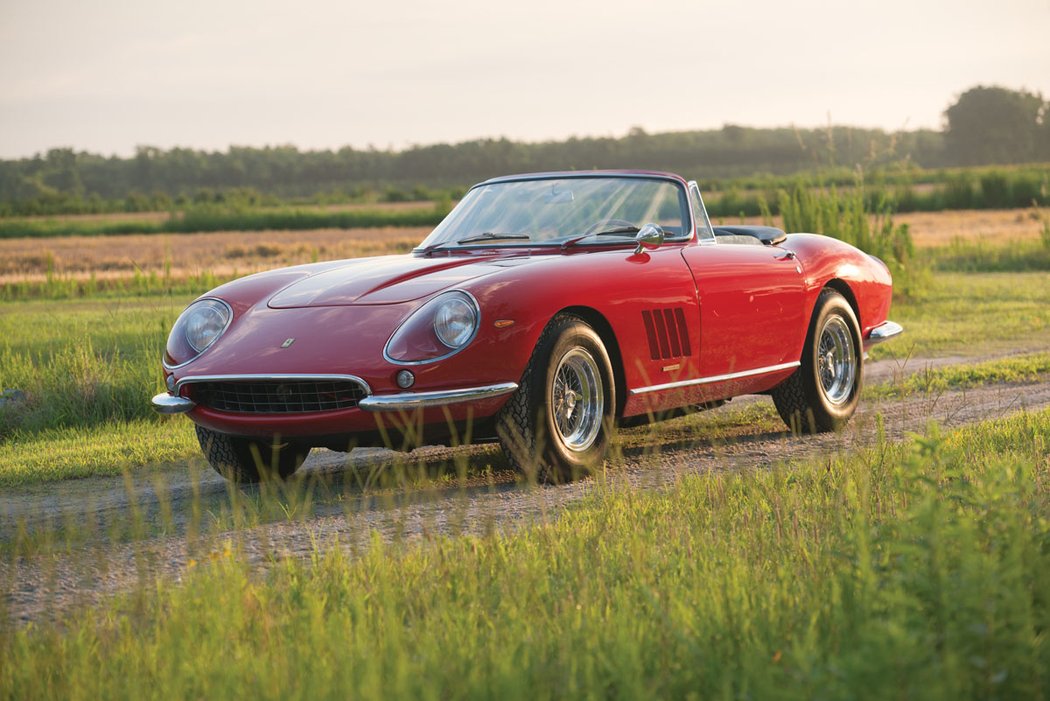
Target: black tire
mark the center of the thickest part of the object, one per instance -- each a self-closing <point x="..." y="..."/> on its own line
<point x="808" y="403"/>
<point x="248" y="460"/>
<point x="558" y="425"/>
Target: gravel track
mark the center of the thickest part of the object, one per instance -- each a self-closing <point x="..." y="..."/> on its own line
<point x="85" y="553"/>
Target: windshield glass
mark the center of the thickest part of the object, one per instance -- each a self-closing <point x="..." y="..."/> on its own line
<point x="554" y="210"/>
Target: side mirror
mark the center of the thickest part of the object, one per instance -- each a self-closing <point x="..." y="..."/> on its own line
<point x="649" y="236"/>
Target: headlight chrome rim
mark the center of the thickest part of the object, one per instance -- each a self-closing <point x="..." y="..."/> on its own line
<point x="466" y="316"/>
<point x="181" y="321"/>
<point x="466" y="297"/>
<point x="206" y="317"/>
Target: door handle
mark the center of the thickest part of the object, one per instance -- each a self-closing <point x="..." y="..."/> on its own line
<point x="788" y="255"/>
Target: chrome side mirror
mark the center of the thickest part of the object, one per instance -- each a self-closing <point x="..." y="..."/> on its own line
<point x="649" y="236"/>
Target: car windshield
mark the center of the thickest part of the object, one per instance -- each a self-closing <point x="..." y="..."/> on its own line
<point x="557" y="210"/>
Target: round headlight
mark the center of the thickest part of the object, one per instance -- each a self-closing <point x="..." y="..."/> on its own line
<point x="196" y="330"/>
<point x="205" y="322"/>
<point x="440" y="328"/>
<point x="455" y="321"/>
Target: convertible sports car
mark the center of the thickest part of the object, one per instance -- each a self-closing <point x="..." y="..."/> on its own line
<point x="544" y="311"/>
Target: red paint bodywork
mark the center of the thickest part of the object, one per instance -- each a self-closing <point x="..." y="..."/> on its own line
<point x="745" y="307"/>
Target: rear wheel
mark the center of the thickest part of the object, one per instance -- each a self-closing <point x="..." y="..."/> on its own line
<point x="247" y="460"/>
<point x="823" y="393"/>
<point x="558" y="424"/>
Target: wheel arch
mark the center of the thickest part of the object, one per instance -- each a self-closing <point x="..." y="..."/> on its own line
<point x="603" y="328"/>
<point x="843" y="288"/>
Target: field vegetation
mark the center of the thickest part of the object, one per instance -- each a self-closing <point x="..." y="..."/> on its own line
<point x="245" y="210"/>
<point x="1027" y="367"/>
<point x="911" y="569"/>
<point x="84" y="353"/>
<point x="226" y="219"/>
<point x="88" y="365"/>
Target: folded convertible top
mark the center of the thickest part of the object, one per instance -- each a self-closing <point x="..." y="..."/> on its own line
<point x="769" y="235"/>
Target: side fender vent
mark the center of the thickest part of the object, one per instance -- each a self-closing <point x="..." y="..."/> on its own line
<point x="667" y="333"/>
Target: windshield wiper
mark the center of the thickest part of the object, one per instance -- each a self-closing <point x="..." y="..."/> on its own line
<point x="618" y="231"/>
<point x="493" y="236"/>
<point x="430" y="249"/>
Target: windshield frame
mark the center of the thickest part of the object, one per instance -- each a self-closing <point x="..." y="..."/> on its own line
<point x="683" y="192"/>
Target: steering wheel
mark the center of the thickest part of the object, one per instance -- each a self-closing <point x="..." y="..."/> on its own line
<point x="607" y="224"/>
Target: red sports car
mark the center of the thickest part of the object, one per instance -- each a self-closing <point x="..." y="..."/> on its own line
<point x="543" y="311"/>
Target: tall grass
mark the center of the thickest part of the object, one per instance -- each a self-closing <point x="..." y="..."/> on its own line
<point x="914" y="571"/>
<point x="905" y="191"/>
<point x="82" y="363"/>
<point x="57" y="286"/>
<point x="848" y="216"/>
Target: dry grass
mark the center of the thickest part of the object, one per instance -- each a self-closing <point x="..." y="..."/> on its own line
<point x="221" y="253"/>
<point x="241" y="252"/>
<point x="932" y="229"/>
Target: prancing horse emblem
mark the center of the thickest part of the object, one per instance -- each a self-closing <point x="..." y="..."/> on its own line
<point x="287" y="342"/>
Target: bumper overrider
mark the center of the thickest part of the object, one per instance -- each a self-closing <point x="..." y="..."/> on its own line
<point x="883" y="332"/>
<point x="173" y="403"/>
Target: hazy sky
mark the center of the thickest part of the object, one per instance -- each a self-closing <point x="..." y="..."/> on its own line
<point x="108" y="75"/>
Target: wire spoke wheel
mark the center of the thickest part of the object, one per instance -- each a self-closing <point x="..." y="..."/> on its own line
<point x="823" y="393"/>
<point x="558" y="425"/>
<point x="577" y="399"/>
<point x="836" y="361"/>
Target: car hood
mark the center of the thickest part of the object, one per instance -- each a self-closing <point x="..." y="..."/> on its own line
<point x="386" y="280"/>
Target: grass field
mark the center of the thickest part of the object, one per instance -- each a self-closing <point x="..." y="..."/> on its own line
<point x="87" y="363"/>
<point x="1022" y="368"/>
<point x="208" y="219"/>
<point x="78" y="266"/>
<point x="89" y="356"/>
<point x="913" y="571"/>
<point x="973" y="313"/>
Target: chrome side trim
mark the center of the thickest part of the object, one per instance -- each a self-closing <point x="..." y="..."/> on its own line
<point x="422" y="400"/>
<point x="192" y="379"/>
<point x="164" y="403"/>
<point x="694" y="189"/>
<point x="883" y="332"/>
<point x="716" y="378"/>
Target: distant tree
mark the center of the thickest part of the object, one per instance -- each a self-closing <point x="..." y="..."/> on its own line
<point x="61" y="171"/>
<point x="994" y="125"/>
<point x="1044" y="134"/>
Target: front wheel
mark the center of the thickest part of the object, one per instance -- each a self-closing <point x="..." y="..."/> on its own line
<point x="823" y="393"/>
<point x="249" y="460"/>
<point x="558" y="424"/>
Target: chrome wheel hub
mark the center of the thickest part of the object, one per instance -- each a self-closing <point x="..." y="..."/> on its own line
<point x="836" y="361"/>
<point x="577" y="400"/>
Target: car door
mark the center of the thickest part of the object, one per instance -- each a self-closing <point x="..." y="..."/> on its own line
<point x="751" y="306"/>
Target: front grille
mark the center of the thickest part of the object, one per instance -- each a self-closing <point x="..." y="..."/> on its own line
<point x="278" y="396"/>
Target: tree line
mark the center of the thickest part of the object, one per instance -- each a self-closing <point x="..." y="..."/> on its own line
<point x="985" y="125"/>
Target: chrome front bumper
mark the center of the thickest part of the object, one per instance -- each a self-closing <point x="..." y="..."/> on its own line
<point x="883" y="332"/>
<point x="165" y="403"/>
<point x="422" y="400"/>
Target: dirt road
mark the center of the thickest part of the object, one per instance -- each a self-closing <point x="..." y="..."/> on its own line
<point x="103" y="535"/>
